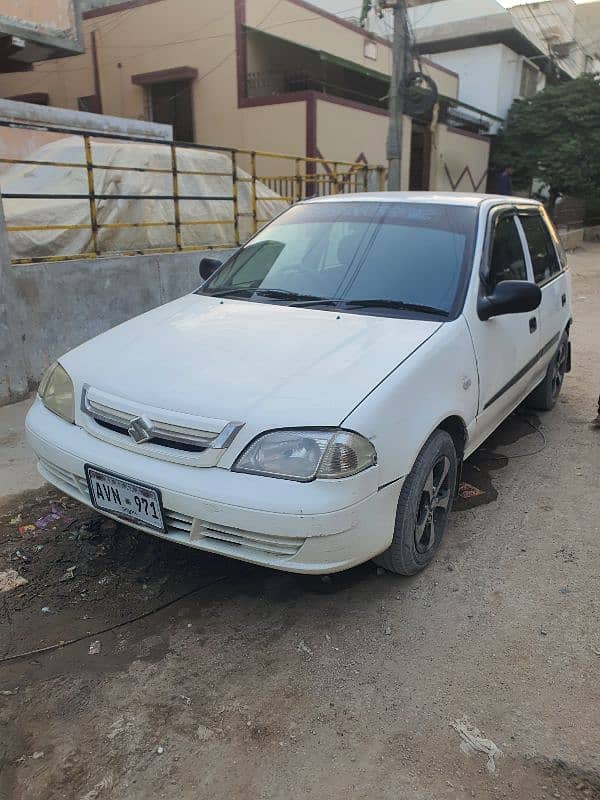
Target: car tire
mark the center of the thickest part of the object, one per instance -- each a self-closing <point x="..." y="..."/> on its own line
<point x="423" y="507"/>
<point x="544" y="396"/>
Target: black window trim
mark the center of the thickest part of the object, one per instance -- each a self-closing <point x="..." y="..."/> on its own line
<point x="535" y="211"/>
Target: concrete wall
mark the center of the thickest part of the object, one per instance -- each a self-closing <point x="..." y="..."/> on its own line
<point x="83" y="121"/>
<point x="592" y="233"/>
<point x="364" y="132"/>
<point x="450" y="11"/>
<point x="561" y="22"/>
<point x="13" y="369"/>
<point x="62" y="304"/>
<point x="587" y="25"/>
<point x="455" y="150"/>
<point x="279" y="129"/>
<point x="20" y="143"/>
<point x="51" y="16"/>
<point x="50" y="23"/>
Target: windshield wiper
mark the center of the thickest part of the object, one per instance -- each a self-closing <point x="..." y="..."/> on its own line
<point x="231" y="290"/>
<point x="276" y="294"/>
<point x="395" y="304"/>
<point x="284" y="294"/>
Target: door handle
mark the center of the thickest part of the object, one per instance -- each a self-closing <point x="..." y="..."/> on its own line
<point x="532" y="325"/>
<point x="563" y="299"/>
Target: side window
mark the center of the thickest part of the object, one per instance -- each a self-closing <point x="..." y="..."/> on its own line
<point x="507" y="261"/>
<point x="562" y="256"/>
<point x="541" y="248"/>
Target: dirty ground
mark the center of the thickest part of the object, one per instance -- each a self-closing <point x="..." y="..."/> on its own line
<point x="184" y="675"/>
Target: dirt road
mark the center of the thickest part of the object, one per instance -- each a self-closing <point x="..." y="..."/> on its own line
<point x="217" y="680"/>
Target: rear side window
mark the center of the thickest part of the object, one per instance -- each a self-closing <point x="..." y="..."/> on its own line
<point x="541" y="248"/>
<point x="507" y="261"/>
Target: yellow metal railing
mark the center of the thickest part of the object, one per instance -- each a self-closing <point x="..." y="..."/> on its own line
<point x="300" y="177"/>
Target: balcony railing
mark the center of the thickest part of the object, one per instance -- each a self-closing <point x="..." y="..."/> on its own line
<point x="270" y="83"/>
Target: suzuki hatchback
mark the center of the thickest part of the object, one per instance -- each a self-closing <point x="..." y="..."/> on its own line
<point x="309" y="407"/>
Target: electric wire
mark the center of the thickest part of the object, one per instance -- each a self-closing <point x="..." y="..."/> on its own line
<point x="116" y="626"/>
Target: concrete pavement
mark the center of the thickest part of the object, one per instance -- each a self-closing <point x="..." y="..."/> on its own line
<point x="18" y="472"/>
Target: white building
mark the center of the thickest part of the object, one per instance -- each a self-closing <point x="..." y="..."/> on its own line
<point x="503" y="54"/>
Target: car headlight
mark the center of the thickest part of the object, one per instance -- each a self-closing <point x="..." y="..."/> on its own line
<point x="56" y="392"/>
<point x="303" y="455"/>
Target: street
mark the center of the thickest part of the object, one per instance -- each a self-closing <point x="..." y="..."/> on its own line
<point x="184" y="675"/>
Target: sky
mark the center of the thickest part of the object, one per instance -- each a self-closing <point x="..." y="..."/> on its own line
<point x="509" y="3"/>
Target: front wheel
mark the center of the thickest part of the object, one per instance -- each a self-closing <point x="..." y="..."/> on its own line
<point x="544" y="396"/>
<point x="423" y="508"/>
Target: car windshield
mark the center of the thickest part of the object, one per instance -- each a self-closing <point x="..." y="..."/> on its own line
<point x="356" y="254"/>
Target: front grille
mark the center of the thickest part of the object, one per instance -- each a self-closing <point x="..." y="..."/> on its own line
<point x="189" y="448"/>
<point x="156" y="432"/>
<point x="163" y="433"/>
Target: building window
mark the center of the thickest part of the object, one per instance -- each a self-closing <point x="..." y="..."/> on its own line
<point x="529" y="80"/>
<point x="89" y="102"/>
<point x="37" y="98"/>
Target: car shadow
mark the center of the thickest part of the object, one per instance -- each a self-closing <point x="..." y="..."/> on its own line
<point x="477" y="486"/>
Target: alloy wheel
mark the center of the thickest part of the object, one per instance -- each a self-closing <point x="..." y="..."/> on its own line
<point x="433" y="506"/>
<point x="558" y="369"/>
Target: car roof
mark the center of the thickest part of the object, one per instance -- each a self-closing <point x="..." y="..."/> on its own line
<point x="472" y="199"/>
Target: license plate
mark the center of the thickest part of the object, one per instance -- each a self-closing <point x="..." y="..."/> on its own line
<point x="131" y="501"/>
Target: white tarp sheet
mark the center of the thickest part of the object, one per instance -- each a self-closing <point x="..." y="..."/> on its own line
<point x="30" y="179"/>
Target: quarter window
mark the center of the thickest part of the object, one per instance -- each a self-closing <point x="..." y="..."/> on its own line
<point x="541" y="248"/>
<point x="507" y="261"/>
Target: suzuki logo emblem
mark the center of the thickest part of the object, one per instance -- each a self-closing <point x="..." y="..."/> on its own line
<point x="140" y="429"/>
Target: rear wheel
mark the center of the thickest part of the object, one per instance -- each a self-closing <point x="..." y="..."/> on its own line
<point x="544" y="396"/>
<point x="423" y="508"/>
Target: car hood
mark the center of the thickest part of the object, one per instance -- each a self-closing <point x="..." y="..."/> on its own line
<point x="239" y="360"/>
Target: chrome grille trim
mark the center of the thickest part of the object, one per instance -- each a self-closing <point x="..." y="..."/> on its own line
<point x="165" y="431"/>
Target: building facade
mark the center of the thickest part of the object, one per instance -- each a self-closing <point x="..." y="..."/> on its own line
<point x="285" y="77"/>
<point x="505" y="54"/>
<point x="37" y="30"/>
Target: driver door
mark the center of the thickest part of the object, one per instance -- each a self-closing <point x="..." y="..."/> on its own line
<point x="506" y="345"/>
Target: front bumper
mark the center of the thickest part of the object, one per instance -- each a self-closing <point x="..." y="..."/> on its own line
<point x="320" y="527"/>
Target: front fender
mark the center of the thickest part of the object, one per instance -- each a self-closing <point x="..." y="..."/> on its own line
<point x="439" y="380"/>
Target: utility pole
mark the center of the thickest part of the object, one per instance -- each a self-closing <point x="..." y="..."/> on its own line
<point x="401" y="61"/>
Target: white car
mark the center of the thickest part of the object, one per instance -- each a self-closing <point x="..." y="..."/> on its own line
<point x="309" y="407"/>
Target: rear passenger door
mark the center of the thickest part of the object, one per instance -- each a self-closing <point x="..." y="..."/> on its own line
<point x="548" y="264"/>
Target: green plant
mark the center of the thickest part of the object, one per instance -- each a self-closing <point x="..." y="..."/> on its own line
<point x="555" y="137"/>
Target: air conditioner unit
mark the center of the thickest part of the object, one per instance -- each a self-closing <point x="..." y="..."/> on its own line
<point x="562" y="49"/>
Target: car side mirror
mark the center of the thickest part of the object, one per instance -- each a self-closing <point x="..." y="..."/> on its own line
<point x="208" y="266"/>
<point x="509" y="297"/>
